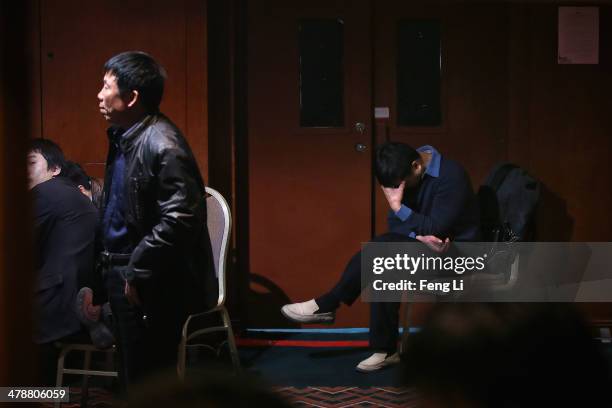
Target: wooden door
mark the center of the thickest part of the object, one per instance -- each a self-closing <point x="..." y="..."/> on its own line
<point x="472" y="89"/>
<point x="309" y="153"/>
<point x="473" y="82"/>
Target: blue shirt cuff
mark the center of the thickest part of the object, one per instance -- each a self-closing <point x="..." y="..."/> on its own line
<point x="403" y="213"/>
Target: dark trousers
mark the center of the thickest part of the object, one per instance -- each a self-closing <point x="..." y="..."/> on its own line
<point x="145" y="346"/>
<point x="384" y="316"/>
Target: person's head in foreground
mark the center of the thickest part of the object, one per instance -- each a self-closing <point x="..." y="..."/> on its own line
<point x="45" y="161"/>
<point x="133" y="86"/>
<point x="507" y="355"/>
<point x="397" y="162"/>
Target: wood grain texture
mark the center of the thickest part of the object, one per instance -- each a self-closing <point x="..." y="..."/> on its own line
<point x="78" y="37"/>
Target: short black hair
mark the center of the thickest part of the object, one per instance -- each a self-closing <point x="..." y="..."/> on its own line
<point x="75" y="173"/>
<point x="138" y="71"/>
<point x="50" y="151"/>
<point x="394" y="163"/>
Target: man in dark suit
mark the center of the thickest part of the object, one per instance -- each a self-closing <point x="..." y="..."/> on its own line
<point x="65" y="223"/>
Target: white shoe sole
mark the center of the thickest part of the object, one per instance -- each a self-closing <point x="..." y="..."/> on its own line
<point x="326" y="318"/>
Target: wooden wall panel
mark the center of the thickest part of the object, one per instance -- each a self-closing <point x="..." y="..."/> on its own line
<point x="569" y="146"/>
<point x="563" y="133"/>
<point x="477" y="73"/>
<point x="78" y="37"/>
<point x="518" y="85"/>
<point x="196" y="81"/>
<point x="34" y="74"/>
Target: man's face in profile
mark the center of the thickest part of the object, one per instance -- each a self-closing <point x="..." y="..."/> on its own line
<point x="112" y="105"/>
<point x="38" y="170"/>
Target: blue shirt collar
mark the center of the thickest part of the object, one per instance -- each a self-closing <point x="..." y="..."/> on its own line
<point x="433" y="169"/>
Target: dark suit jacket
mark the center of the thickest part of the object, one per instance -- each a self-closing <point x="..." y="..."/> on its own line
<point x="65" y="222"/>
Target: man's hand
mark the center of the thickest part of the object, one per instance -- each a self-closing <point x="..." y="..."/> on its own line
<point x="434" y="243"/>
<point x="394" y="196"/>
<point x="132" y="294"/>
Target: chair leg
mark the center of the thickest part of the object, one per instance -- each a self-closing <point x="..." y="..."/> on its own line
<point x="231" y="341"/>
<point x="182" y="356"/>
<point x="85" y="384"/>
<point x="109" y="365"/>
<point x="405" y="327"/>
<point x="59" y="378"/>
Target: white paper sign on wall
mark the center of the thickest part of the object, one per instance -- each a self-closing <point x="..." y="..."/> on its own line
<point x="381" y="112"/>
<point x="578" y="35"/>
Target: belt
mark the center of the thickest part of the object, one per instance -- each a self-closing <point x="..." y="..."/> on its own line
<point x="108" y="259"/>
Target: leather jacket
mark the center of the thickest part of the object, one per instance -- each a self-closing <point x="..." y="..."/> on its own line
<point x="165" y="214"/>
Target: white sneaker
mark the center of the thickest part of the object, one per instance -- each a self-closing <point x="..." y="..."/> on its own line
<point x="304" y="312"/>
<point x="377" y="361"/>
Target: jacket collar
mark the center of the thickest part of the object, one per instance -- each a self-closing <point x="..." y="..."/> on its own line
<point x="124" y="138"/>
<point x="433" y="168"/>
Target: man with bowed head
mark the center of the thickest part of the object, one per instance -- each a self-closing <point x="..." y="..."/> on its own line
<point x="430" y="200"/>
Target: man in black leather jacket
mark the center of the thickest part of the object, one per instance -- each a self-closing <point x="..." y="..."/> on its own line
<point x="157" y="260"/>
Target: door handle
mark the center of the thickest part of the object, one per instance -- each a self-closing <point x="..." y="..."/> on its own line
<point x="360" y="127"/>
<point x="360" y="147"/>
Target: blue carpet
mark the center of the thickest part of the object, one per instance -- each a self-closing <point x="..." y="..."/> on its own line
<point x="302" y="366"/>
<point x="307" y="366"/>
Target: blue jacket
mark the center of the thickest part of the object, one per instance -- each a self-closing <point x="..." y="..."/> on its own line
<point x="443" y="204"/>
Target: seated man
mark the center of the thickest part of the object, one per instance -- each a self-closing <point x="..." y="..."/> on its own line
<point x="431" y="200"/>
<point x="65" y="223"/>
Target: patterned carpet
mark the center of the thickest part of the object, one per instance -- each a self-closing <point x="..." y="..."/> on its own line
<point x="339" y="397"/>
<point x="323" y="397"/>
<point x="326" y="376"/>
<point x="98" y="398"/>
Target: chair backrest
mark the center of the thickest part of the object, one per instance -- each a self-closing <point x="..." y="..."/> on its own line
<point x="219" y="222"/>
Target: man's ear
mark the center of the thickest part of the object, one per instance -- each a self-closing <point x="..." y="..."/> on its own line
<point x="132" y="98"/>
<point x="56" y="170"/>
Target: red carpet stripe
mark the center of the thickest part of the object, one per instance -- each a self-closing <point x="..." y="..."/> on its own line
<point x="300" y="343"/>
